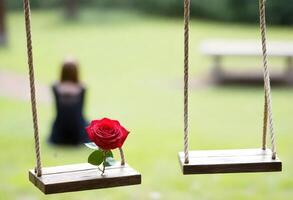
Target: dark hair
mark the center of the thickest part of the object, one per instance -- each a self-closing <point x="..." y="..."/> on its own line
<point x="69" y="71"/>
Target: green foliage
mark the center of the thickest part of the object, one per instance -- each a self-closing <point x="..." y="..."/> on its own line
<point x="109" y="154"/>
<point x="17" y="4"/>
<point x="282" y="12"/>
<point x="97" y="157"/>
<point x="278" y="12"/>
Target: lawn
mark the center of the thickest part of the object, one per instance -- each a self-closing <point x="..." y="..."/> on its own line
<point x="132" y="66"/>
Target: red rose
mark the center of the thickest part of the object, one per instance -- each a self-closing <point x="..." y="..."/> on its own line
<point x="107" y="134"/>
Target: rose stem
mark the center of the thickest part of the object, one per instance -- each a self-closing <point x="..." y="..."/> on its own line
<point x="104" y="165"/>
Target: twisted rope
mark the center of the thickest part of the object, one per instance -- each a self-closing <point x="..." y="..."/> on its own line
<point x="122" y="156"/>
<point x="38" y="168"/>
<point x="265" y="124"/>
<point x="186" y="81"/>
<point x="268" y="115"/>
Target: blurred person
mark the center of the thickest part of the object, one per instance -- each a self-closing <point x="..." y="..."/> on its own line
<point x="69" y="125"/>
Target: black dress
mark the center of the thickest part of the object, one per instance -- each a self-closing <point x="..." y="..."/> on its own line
<point x="69" y="125"/>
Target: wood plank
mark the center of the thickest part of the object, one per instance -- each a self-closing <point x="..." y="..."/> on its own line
<point x="67" y="168"/>
<point x="229" y="161"/>
<point x="78" y="177"/>
<point x="245" y="48"/>
<point x="227" y="152"/>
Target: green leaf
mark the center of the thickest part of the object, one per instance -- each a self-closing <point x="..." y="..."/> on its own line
<point x="91" y="145"/>
<point x="96" y="158"/>
<point x="110" y="161"/>
<point x="109" y="154"/>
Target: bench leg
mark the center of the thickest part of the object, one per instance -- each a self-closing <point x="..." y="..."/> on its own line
<point x="289" y="65"/>
<point x="217" y="70"/>
<point x="289" y="70"/>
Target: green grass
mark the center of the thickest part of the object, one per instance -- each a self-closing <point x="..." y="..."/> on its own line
<point x="132" y="66"/>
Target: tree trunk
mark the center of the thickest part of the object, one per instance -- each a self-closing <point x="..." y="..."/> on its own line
<point x="71" y="9"/>
<point x="3" y="38"/>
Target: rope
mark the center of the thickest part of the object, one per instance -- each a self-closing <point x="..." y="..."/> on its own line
<point x="186" y="65"/>
<point x="268" y="115"/>
<point x="38" y="168"/>
<point x="265" y="124"/>
<point x="122" y="156"/>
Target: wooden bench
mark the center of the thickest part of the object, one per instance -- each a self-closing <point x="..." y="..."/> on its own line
<point x="218" y="49"/>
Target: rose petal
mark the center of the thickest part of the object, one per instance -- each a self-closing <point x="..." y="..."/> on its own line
<point x="107" y="134"/>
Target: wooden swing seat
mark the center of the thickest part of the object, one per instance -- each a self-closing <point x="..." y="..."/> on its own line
<point x="229" y="161"/>
<point x="78" y="177"/>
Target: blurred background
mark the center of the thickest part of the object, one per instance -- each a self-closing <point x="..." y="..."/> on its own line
<point x="131" y="60"/>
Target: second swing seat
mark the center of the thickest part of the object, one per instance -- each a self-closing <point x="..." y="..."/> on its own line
<point x="229" y="161"/>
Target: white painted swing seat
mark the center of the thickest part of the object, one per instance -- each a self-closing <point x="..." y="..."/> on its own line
<point x="78" y="177"/>
<point x="229" y="161"/>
